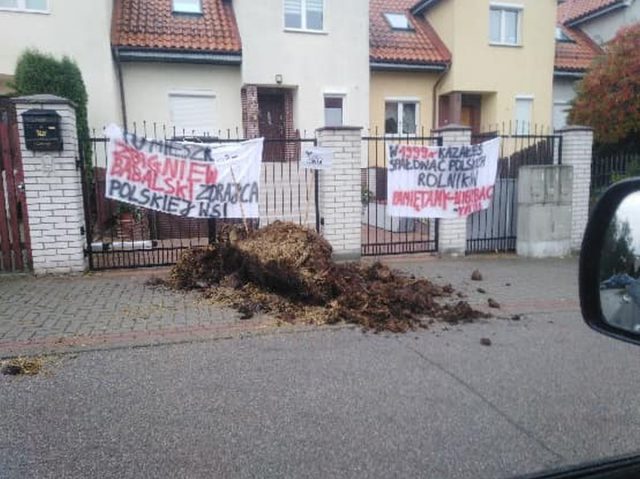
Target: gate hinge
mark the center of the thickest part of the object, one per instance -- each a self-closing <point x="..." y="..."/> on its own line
<point x="82" y="230"/>
<point x="78" y="163"/>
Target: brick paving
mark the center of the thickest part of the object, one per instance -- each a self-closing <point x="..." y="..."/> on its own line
<point x="114" y="309"/>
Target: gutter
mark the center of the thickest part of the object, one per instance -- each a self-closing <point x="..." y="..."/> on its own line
<point x="144" y="55"/>
<point x="567" y="74"/>
<point x="420" y="7"/>
<point x="604" y="11"/>
<point x="407" y="67"/>
<point x="434" y="99"/>
<point x="123" y="102"/>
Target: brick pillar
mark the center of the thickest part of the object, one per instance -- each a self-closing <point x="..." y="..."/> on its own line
<point x="452" y="235"/>
<point x="53" y="190"/>
<point x="577" y="151"/>
<point x="340" y="191"/>
<point x="250" y="111"/>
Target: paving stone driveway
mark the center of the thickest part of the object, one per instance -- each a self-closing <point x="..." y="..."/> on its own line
<point x="118" y="309"/>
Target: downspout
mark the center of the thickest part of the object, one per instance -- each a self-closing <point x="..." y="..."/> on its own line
<point x="434" y="100"/>
<point x="123" y="103"/>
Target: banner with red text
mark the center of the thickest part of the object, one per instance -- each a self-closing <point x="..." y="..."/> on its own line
<point x="194" y="180"/>
<point x="440" y="181"/>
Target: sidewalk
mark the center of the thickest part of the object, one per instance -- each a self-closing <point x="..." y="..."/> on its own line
<point x="117" y="309"/>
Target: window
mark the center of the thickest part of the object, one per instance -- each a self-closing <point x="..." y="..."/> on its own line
<point x="504" y="25"/>
<point x="398" y="21"/>
<point x="560" y="114"/>
<point x="25" y="5"/>
<point x="193" y="113"/>
<point x="524" y="110"/>
<point x="333" y="111"/>
<point x="304" y="14"/>
<point x="401" y="117"/>
<point x="187" y="6"/>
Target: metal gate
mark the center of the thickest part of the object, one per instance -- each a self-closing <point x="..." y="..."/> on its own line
<point x="15" y="245"/>
<point x="119" y="236"/>
<point x="381" y="233"/>
<point x="494" y="230"/>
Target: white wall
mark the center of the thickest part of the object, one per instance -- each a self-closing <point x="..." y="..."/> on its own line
<point x="336" y="61"/>
<point x="80" y="29"/>
<point x="147" y="87"/>
<point x="563" y="93"/>
<point x="603" y="29"/>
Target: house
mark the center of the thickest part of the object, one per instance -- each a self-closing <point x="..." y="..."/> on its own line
<point x="584" y="27"/>
<point x="77" y="28"/>
<point x="484" y="64"/>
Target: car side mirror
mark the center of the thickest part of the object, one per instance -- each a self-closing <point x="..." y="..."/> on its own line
<point x="610" y="264"/>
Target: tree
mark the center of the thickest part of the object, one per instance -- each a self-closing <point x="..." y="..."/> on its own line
<point x="608" y="97"/>
<point x="38" y="73"/>
<point x="618" y="252"/>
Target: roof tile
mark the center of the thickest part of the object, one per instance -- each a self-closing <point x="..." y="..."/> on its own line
<point x="421" y="46"/>
<point x="152" y="24"/>
<point x="571" y="10"/>
<point x="578" y="54"/>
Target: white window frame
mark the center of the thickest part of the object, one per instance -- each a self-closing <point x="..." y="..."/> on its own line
<point x="303" y="19"/>
<point x="22" y="7"/>
<point x="341" y="96"/>
<point x="502" y="8"/>
<point x="194" y="93"/>
<point x="400" y="102"/>
<point x="199" y="12"/>
<point x="520" y="130"/>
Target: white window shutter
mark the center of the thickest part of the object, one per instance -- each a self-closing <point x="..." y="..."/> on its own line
<point x="193" y="114"/>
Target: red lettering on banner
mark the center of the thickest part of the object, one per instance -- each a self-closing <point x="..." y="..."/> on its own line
<point x="466" y="201"/>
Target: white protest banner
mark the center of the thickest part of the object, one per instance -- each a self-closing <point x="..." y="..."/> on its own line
<point x="194" y="180"/>
<point x="315" y="158"/>
<point x="440" y="182"/>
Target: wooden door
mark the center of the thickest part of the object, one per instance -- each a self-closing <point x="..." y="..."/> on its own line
<point x="271" y="123"/>
<point x="15" y="245"/>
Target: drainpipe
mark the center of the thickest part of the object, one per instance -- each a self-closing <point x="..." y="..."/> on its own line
<point x="434" y="100"/>
<point x="123" y="103"/>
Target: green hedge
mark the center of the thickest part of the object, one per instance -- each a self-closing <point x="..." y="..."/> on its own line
<point x="39" y="73"/>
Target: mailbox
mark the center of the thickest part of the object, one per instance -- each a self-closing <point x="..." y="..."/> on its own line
<point x="42" y="130"/>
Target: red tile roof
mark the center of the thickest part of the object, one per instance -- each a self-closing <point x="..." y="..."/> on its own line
<point x="151" y="24"/>
<point x="576" y="55"/>
<point x="572" y="10"/>
<point x="420" y="46"/>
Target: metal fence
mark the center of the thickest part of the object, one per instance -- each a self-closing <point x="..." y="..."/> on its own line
<point x="119" y="236"/>
<point x="495" y="229"/>
<point x="608" y="168"/>
<point x="381" y="233"/>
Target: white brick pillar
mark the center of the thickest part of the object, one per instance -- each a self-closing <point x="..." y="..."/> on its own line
<point x="53" y="190"/>
<point x="452" y="233"/>
<point x="340" y="191"/>
<point x="577" y="151"/>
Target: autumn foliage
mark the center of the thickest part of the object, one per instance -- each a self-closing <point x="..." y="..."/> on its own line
<point x="609" y="95"/>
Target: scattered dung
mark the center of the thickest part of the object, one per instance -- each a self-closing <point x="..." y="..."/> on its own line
<point x="287" y="270"/>
<point x="481" y="291"/>
<point x="476" y="275"/>
<point x="22" y="366"/>
<point x="485" y="341"/>
<point x="493" y="303"/>
<point x="516" y="317"/>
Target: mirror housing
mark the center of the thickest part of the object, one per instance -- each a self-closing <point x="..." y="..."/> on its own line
<point x="591" y="254"/>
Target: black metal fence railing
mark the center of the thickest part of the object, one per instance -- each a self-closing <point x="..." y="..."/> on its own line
<point x="495" y="229"/>
<point x="121" y="236"/>
<point x="607" y="169"/>
<point x="381" y="233"/>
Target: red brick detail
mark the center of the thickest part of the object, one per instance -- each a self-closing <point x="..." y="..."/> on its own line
<point x="250" y="111"/>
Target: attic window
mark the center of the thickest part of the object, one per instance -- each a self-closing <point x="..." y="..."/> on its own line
<point x="187" y="6"/>
<point x="398" y="21"/>
<point x="561" y="36"/>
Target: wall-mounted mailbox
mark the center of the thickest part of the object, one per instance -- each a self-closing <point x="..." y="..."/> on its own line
<point x="42" y="130"/>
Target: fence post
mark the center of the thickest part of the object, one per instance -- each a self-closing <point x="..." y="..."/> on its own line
<point x="452" y="235"/>
<point x="53" y="188"/>
<point x="577" y="151"/>
<point x="340" y="191"/>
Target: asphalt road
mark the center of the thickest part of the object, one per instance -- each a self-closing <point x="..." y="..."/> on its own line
<point x="547" y="392"/>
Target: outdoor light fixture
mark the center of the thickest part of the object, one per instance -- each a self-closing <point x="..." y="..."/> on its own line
<point x="279" y="79"/>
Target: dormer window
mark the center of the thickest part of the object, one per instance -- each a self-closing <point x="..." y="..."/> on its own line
<point x="398" y="21"/>
<point x="187" y="6"/>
